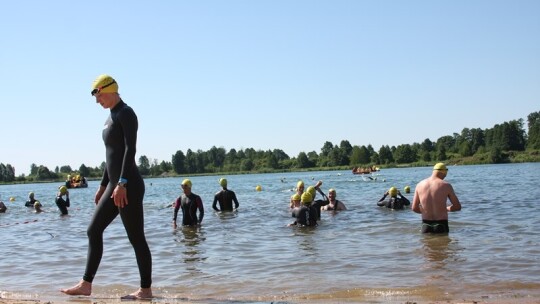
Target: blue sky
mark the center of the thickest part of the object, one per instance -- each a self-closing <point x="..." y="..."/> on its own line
<point x="287" y="75"/>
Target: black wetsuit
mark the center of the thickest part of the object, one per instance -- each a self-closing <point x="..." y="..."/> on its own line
<point x="440" y="226"/>
<point x="225" y="198"/>
<point x="308" y="215"/>
<point x="189" y="204"/>
<point x="120" y="137"/>
<point x="336" y="206"/>
<point x="30" y="203"/>
<point x="394" y="202"/>
<point x="62" y="204"/>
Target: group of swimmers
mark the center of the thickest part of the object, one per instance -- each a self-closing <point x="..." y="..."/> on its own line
<point x="62" y="202"/>
<point x="430" y="200"/>
<point x="306" y="210"/>
<point x="191" y="203"/>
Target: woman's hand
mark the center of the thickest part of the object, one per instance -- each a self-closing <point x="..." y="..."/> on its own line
<point x="120" y="196"/>
<point x="99" y="193"/>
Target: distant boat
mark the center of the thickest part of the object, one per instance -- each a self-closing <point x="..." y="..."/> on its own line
<point x="368" y="170"/>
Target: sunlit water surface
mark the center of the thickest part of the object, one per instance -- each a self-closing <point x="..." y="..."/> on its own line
<point x="251" y="255"/>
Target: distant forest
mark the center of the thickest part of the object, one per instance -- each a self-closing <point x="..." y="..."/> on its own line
<point x="499" y="144"/>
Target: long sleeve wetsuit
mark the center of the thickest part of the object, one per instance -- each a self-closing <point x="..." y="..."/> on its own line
<point x="189" y="204"/>
<point x="225" y="198"/>
<point x="120" y="137"/>
<point x="62" y="204"/>
<point x="394" y="202"/>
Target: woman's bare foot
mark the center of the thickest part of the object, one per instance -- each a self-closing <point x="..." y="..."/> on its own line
<point x="142" y="293"/>
<point x="83" y="288"/>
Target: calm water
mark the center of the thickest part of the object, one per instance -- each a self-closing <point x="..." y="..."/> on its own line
<point x="367" y="252"/>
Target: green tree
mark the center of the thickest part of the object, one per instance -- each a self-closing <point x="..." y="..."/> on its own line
<point x="465" y="149"/>
<point x="495" y="155"/>
<point x="445" y="143"/>
<point x="246" y="164"/>
<point x="7" y="173"/>
<point x="190" y="162"/>
<point x="326" y="149"/>
<point x="477" y="139"/>
<point x="385" y="155"/>
<point x="66" y="169"/>
<point x="144" y="165"/>
<point x="43" y="173"/>
<point x="404" y="154"/>
<point x="84" y="171"/>
<point x="155" y="168"/>
<point x="216" y="156"/>
<point x="441" y="153"/>
<point x="303" y="161"/>
<point x="271" y="160"/>
<point x="165" y="166"/>
<point x="178" y="162"/>
<point x="533" y="121"/>
<point x="346" y="148"/>
<point x="33" y="169"/>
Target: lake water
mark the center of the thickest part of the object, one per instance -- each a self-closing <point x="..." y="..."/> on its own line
<point x="369" y="254"/>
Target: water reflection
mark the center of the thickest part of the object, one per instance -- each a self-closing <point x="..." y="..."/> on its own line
<point x="191" y="238"/>
<point x="439" y="251"/>
<point x="436" y="250"/>
<point x="307" y="240"/>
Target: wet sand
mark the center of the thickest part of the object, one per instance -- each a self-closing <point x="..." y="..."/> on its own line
<point x="487" y="299"/>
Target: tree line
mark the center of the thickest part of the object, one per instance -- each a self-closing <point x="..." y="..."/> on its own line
<point x="489" y="145"/>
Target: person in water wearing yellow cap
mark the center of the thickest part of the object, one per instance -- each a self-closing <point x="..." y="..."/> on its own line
<point x="225" y="197"/>
<point x="37" y="207"/>
<point x="309" y="212"/>
<point x="190" y="203"/>
<point x="62" y="203"/>
<point x="31" y="200"/>
<point x="396" y="200"/>
<point x="296" y="200"/>
<point x="430" y="197"/>
<point x="300" y="190"/>
<point x="121" y="191"/>
<point x="305" y="216"/>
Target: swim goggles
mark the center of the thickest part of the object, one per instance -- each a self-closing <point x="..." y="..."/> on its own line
<point x="97" y="90"/>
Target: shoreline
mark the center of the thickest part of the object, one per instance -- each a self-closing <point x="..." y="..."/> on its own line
<point x="347" y="296"/>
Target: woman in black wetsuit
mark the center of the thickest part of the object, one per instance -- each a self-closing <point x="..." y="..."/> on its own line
<point x="189" y="202"/>
<point x="121" y="191"/>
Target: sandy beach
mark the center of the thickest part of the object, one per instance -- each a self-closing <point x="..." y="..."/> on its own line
<point x="505" y="298"/>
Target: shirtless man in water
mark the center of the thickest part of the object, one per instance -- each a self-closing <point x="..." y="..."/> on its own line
<point x="430" y="198"/>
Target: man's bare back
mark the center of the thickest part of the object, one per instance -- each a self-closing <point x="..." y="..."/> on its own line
<point x="431" y="194"/>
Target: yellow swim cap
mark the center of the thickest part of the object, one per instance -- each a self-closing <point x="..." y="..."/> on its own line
<point x="37" y="204"/>
<point x="296" y="197"/>
<point x="306" y="198"/>
<point x="440" y="167"/>
<point x="63" y="189"/>
<point x="300" y="184"/>
<point x="332" y="190"/>
<point x="104" y="84"/>
<point x="407" y="189"/>
<point x="392" y="191"/>
<point x="258" y="188"/>
<point x="223" y="182"/>
<point x="311" y="190"/>
<point x="187" y="183"/>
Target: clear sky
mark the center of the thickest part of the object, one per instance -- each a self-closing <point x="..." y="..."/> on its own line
<point x="286" y="75"/>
